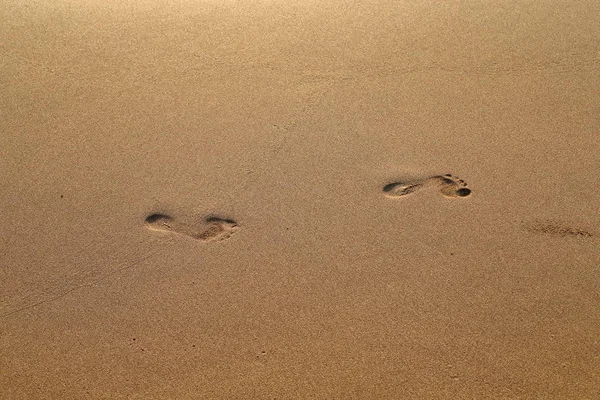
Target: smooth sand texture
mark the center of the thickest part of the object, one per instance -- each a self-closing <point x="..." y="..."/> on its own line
<point x="194" y="208"/>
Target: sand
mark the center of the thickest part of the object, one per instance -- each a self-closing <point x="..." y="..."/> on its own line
<point x="194" y="208"/>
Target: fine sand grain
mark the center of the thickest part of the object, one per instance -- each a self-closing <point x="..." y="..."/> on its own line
<point x="299" y="200"/>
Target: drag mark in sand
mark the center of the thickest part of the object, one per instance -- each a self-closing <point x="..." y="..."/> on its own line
<point x="210" y="230"/>
<point x="555" y="228"/>
<point x="448" y="185"/>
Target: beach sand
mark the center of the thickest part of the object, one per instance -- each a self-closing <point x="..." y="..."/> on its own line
<point x="248" y="200"/>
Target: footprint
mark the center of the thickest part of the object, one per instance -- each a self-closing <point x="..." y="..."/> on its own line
<point x="209" y="230"/>
<point x="448" y="185"/>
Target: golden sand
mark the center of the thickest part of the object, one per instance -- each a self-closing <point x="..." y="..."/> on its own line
<point x="194" y="208"/>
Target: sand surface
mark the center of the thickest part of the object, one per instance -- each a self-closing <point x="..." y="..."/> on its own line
<point x="193" y="199"/>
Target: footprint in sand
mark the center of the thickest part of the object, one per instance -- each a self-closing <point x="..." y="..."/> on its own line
<point x="448" y="185"/>
<point x="211" y="229"/>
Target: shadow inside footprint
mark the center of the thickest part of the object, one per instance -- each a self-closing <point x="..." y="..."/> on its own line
<point x="397" y="189"/>
<point x="448" y="185"/>
<point x="208" y="230"/>
<point x="217" y="229"/>
<point x="463" y="192"/>
<point x="156" y="220"/>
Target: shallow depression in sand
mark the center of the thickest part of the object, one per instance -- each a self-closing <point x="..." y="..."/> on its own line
<point x="448" y="185"/>
<point x="208" y="230"/>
